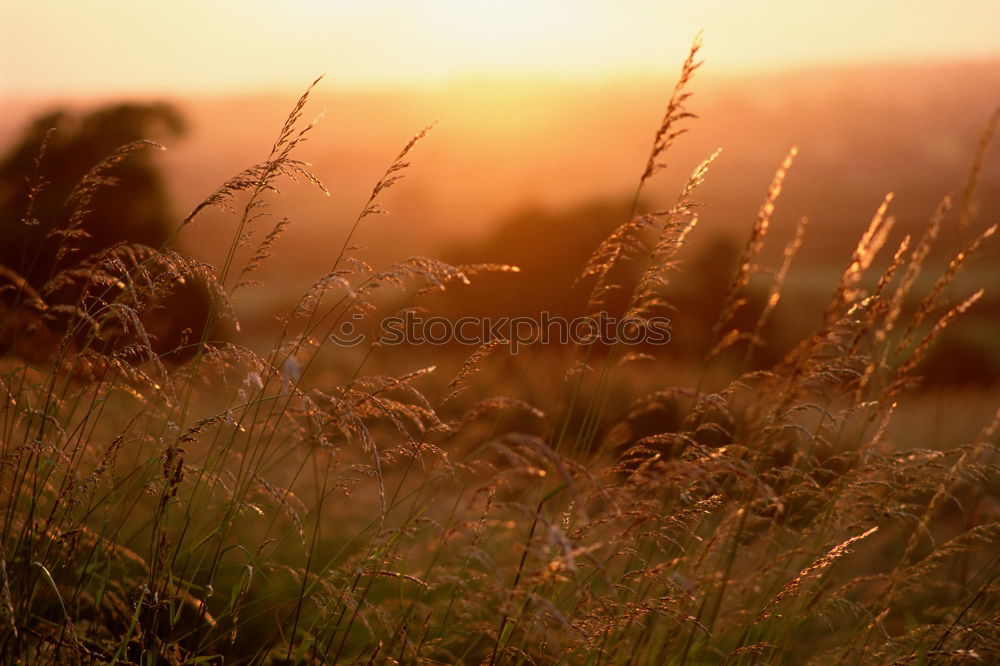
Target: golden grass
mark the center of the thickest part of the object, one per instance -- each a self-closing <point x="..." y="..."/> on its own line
<point x="258" y="506"/>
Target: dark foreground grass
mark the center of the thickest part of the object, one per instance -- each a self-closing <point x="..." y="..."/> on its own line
<point x="252" y="506"/>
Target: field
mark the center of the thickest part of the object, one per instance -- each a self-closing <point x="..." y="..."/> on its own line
<point x="770" y="485"/>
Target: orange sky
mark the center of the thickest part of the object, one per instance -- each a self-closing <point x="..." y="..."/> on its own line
<point x="107" y="47"/>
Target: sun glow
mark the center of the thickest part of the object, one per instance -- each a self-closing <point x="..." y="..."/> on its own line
<point x="113" y="46"/>
<point x="505" y="35"/>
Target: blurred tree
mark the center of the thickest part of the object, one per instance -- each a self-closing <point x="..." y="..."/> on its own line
<point x="47" y="227"/>
<point x="56" y="152"/>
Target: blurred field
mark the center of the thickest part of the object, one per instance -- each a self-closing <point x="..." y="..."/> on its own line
<point x="862" y="132"/>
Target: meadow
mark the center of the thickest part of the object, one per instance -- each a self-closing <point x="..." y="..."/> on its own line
<point x="294" y="500"/>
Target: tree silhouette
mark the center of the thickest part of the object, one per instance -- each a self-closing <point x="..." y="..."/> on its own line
<point x="77" y="185"/>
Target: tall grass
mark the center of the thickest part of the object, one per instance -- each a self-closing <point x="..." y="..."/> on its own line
<point x="255" y="506"/>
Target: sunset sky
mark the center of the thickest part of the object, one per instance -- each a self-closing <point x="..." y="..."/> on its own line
<point x="107" y="47"/>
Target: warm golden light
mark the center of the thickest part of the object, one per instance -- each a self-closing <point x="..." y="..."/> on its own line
<point x="543" y="343"/>
<point x="110" y="46"/>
